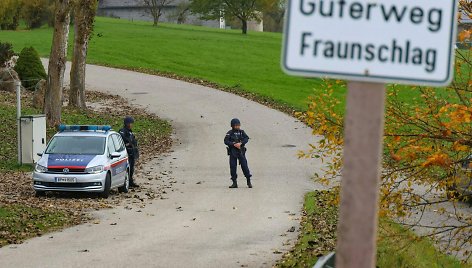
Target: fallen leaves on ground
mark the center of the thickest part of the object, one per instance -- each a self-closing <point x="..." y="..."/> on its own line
<point x="318" y="231"/>
<point x="22" y="211"/>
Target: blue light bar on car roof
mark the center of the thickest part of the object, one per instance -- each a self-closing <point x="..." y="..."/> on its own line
<point x="83" y="128"/>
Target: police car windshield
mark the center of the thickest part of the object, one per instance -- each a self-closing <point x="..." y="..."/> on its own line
<point x="76" y="145"/>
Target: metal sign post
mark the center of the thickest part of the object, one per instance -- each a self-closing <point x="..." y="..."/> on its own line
<point x="18" y="116"/>
<point x="372" y="42"/>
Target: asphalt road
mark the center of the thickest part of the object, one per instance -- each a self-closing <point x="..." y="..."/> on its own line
<point x="202" y="223"/>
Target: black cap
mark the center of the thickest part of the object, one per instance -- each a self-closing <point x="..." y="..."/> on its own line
<point x="128" y="120"/>
<point x="235" y="122"/>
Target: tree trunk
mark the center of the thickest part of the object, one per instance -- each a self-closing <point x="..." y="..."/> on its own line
<point x="57" y="63"/>
<point x="77" y="72"/>
<point x="244" y="28"/>
<point x="84" y="15"/>
<point x="157" y="16"/>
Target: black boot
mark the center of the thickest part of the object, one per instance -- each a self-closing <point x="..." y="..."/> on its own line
<point x="249" y="184"/>
<point x="132" y="184"/>
<point x="234" y="185"/>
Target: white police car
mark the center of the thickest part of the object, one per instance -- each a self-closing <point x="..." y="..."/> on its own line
<point x="83" y="159"/>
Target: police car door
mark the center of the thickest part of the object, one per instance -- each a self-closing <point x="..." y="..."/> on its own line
<point x="122" y="162"/>
<point x="112" y="161"/>
<point x="116" y="177"/>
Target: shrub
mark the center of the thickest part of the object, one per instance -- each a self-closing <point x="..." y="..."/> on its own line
<point x="6" y="53"/>
<point x="10" y="14"/>
<point x="35" y="13"/>
<point x="29" y="68"/>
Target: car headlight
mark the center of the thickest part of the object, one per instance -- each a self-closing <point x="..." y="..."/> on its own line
<point x="94" y="170"/>
<point x="40" y="169"/>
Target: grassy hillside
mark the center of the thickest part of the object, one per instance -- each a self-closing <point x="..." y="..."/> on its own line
<point x="226" y="57"/>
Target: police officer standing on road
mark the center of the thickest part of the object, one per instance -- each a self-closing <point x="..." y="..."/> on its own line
<point x="236" y="140"/>
<point x="131" y="147"/>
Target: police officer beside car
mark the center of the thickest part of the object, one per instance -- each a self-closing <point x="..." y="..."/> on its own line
<point x="131" y="147"/>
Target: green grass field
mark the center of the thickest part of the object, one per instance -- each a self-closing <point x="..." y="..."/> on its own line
<point x="226" y="57"/>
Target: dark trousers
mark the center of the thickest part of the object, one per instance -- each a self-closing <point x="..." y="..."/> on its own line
<point x="131" y="161"/>
<point x="233" y="165"/>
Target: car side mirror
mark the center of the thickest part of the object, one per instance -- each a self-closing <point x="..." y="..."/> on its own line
<point x="115" y="155"/>
<point x="40" y="154"/>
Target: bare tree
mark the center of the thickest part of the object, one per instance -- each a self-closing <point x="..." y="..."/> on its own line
<point x="242" y="10"/>
<point x="181" y="12"/>
<point x="155" y="7"/>
<point x="57" y="62"/>
<point x="84" y="16"/>
<point x="274" y="13"/>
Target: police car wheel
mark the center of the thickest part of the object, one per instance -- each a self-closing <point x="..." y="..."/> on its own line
<point x="106" y="191"/>
<point x="125" y="187"/>
<point x="40" y="193"/>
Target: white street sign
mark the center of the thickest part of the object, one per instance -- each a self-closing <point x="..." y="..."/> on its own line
<point x="387" y="41"/>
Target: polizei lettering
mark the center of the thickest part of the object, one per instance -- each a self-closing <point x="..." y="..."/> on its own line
<point x="69" y="160"/>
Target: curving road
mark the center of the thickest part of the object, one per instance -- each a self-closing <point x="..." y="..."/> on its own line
<point x="202" y="223"/>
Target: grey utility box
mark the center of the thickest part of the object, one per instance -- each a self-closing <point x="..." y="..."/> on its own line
<point x="32" y="137"/>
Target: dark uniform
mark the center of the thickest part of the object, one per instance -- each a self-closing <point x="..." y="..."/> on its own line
<point x="233" y="137"/>
<point x="131" y="147"/>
